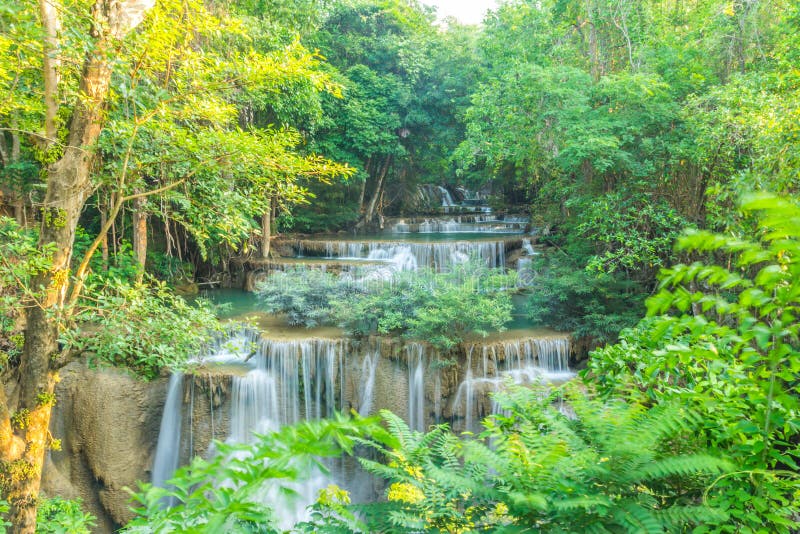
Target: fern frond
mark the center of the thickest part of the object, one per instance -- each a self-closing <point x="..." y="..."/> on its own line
<point x="683" y="465"/>
<point x="676" y="517"/>
<point x="637" y="519"/>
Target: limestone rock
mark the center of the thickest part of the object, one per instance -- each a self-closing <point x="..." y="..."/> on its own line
<point x="108" y="423"/>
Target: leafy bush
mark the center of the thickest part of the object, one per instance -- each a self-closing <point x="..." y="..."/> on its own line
<point x="728" y="348"/>
<point x="631" y="233"/>
<point x="62" y="516"/>
<point x="144" y="327"/>
<point x="615" y="467"/>
<point x="227" y="492"/>
<point x="20" y="260"/>
<point x="594" y="281"/>
<point x="303" y="295"/>
<point x="440" y="308"/>
<point x="565" y="296"/>
<point x="121" y="266"/>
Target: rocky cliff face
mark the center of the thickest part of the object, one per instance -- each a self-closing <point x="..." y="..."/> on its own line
<point x="108" y="424"/>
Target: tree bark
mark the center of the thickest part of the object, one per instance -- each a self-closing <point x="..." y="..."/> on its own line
<point x="266" y="232"/>
<point x="364" y="187"/>
<point x="51" y="23"/>
<point x="593" y="46"/>
<point x="104" y="243"/>
<point x="370" y="213"/>
<point x="68" y="187"/>
<point x="140" y="235"/>
<point x="19" y="203"/>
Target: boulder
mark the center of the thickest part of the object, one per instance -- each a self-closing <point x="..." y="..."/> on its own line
<point x="108" y="423"/>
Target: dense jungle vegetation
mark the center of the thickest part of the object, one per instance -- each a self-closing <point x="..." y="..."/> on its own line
<point x="146" y="145"/>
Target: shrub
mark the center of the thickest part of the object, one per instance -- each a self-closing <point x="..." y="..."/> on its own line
<point x="723" y="339"/>
<point x="62" y="516"/>
<point x="614" y="467"/>
<point x="143" y="327"/>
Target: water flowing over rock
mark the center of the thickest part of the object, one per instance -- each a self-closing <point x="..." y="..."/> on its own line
<point x="461" y="224"/>
<point x="416" y="386"/>
<point x="490" y="367"/>
<point x="169" y="435"/>
<point x="279" y="382"/>
<point x="440" y="255"/>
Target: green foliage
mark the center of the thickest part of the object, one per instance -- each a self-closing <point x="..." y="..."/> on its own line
<point x="565" y="296"/>
<point x="594" y="280"/>
<point x="20" y="261"/>
<point x="3" y="511"/>
<point x="122" y="265"/>
<point x="632" y="233"/>
<point x="305" y="296"/>
<point x="440" y="308"/>
<point x="143" y="327"/>
<point x="227" y="492"/>
<point x="728" y="348"/>
<point x="615" y="467"/>
<point x="62" y="516"/>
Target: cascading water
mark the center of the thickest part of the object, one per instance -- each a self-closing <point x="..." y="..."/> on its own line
<point x="440" y="256"/>
<point x="527" y="247"/>
<point x="368" y="368"/>
<point x="466" y="392"/>
<point x="447" y="198"/>
<point x="169" y="435"/>
<point x="415" y="354"/>
<point x="525" y="361"/>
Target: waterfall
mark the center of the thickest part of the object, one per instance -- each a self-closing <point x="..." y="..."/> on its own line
<point x="268" y="397"/>
<point x="415" y="354"/>
<point x="169" y="434"/>
<point x="401" y="256"/>
<point x="254" y="406"/>
<point x="315" y="365"/>
<point x="367" y="383"/>
<point x="527" y="247"/>
<point x="548" y="354"/>
<point x="466" y="391"/>
<point x="526" y="361"/>
<point x="447" y="199"/>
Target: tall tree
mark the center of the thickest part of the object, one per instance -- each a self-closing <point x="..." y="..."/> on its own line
<point x="68" y="187"/>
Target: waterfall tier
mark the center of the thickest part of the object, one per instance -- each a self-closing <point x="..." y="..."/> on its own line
<point x="409" y="255"/>
<point x="459" y="225"/>
<point x="255" y="383"/>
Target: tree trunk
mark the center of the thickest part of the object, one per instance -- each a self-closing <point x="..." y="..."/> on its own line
<point x="19" y="203"/>
<point x="266" y="232"/>
<point x="103" y="221"/>
<point x="373" y="202"/>
<point x="51" y="23"/>
<point x="594" y="53"/>
<point x="140" y="235"/>
<point x="68" y="187"/>
<point x="364" y="187"/>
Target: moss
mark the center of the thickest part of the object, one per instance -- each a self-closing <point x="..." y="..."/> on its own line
<point x="21" y="419"/>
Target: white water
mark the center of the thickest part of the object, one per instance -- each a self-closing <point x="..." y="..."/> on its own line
<point x="527" y="361"/>
<point x="287" y="381"/>
<point x="169" y="435"/>
<point x="415" y="354"/>
<point x="367" y="384"/>
<point x="447" y="199"/>
<point x="527" y="247"/>
<point x="411" y="256"/>
<point x="460" y="225"/>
